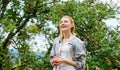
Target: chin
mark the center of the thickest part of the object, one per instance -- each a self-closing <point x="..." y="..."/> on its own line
<point x="64" y="30"/>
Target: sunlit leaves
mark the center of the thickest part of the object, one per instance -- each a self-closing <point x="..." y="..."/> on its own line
<point x="32" y="29"/>
<point x="8" y="26"/>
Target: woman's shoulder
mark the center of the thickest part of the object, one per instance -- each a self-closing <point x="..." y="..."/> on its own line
<point x="78" y="42"/>
<point x="76" y="39"/>
<point x="56" y="38"/>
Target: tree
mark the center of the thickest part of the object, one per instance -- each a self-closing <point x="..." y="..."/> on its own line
<point x="20" y="19"/>
<point x="14" y="18"/>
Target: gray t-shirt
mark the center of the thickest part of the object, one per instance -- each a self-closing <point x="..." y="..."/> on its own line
<point x="74" y="50"/>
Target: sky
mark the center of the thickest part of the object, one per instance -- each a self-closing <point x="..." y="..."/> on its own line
<point x="39" y="41"/>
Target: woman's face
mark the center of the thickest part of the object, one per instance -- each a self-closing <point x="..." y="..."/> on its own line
<point x="65" y="24"/>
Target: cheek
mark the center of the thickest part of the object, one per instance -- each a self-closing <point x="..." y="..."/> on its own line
<point x="70" y="26"/>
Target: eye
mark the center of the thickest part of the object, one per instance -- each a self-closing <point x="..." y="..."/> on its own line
<point x="66" y="21"/>
<point x="61" y="21"/>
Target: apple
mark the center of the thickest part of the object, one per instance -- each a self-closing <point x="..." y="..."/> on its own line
<point x="62" y="9"/>
<point x="38" y="25"/>
<point x="30" y="7"/>
<point x="55" y="60"/>
<point x="47" y="18"/>
<point x="87" y="37"/>
<point x="96" y="46"/>
<point x="23" y="51"/>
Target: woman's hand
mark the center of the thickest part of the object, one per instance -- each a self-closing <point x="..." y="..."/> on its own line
<point x="56" y="61"/>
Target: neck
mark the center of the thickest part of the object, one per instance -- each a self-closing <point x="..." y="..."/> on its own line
<point x="66" y="35"/>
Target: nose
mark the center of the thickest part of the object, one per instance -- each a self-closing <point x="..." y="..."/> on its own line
<point x="62" y="22"/>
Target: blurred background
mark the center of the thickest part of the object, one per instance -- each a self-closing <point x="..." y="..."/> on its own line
<point x="28" y="28"/>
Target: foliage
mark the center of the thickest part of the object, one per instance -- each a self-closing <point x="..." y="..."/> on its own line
<point x="20" y="19"/>
<point x="102" y="43"/>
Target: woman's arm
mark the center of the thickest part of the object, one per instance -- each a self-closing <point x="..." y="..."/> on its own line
<point x="79" y="54"/>
<point x="53" y="59"/>
<point x="52" y="52"/>
<point x="70" y="62"/>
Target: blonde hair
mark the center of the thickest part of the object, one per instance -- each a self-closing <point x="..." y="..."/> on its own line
<point x="72" y="29"/>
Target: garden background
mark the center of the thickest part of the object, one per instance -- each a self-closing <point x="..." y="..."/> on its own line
<point x="28" y="27"/>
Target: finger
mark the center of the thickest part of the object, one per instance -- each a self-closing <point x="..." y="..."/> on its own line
<point x="56" y="64"/>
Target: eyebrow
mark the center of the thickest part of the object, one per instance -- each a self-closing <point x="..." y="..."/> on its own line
<point x="64" y="20"/>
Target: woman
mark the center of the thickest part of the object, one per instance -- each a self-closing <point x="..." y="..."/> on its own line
<point x="68" y="51"/>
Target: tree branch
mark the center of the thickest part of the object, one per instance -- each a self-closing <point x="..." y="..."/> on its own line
<point x="3" y="10"/>
<point x="11" y="34"/>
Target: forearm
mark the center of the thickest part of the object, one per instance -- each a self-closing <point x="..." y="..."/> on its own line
<point x="70" y="62"/>
<point x="76" y="63"/>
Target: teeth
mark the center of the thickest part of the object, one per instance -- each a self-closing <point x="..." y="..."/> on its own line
<point x="63" y="26"/>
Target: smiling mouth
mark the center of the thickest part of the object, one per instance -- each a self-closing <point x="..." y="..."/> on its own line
<point x="63" y="26"/>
